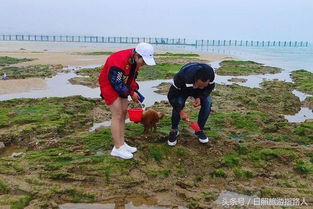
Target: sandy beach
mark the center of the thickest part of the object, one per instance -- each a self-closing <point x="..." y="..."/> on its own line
<point x="67" y="54"/>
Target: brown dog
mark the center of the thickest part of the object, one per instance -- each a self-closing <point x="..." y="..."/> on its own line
<point x="149" y="120"/>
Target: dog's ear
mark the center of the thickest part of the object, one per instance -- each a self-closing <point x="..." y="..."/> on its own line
<point x="161" y="115"/>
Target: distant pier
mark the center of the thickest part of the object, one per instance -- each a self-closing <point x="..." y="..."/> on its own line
<point x="156" y="41"/>
<point x="252" y="43"/>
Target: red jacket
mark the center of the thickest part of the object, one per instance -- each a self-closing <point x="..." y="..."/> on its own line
<point x="118" y="61"/>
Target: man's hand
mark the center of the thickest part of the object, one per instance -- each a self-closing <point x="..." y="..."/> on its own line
<point x="135" y="97"/>
<point x="197" y="102"/>
<point x="183" y="115"/>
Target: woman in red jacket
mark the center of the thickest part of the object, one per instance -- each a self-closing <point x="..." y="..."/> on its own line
<point x="118" y="81"/>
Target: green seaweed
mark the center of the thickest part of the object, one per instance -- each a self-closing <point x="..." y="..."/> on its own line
<point x="303" y="80"/>
<point x="5" y="60"/>
<point x="236" y="68"/>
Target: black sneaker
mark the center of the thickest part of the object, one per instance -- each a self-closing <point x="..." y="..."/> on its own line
<point x="172" y="141"/>
<point x="202" y="137"/>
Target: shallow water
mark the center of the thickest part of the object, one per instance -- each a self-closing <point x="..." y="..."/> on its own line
<point x="253" y="81"/>
<point x="9" y="150"/>
<point x="304" y="114"/>
<point x="104" y="124"/>
<point x="59" y="86"/>
<point x="302" y="96"/>
<point x="288" y="58"/>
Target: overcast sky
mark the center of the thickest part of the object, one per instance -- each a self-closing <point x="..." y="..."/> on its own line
<point x="192" y="19"/>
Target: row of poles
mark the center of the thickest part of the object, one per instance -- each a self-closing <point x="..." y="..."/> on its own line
<point x="252" y="43"/>
<point x="165" y="41"/>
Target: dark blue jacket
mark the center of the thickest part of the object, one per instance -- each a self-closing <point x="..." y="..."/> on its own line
<point x="185" y="78"/>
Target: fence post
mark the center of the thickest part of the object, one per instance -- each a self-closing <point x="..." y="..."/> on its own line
<point x="166" y="41"/>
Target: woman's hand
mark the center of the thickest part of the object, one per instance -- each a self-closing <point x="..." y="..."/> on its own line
<point x="135" y="97"/>
<point x="183" y="115"/>
<point x="196" y="103"/>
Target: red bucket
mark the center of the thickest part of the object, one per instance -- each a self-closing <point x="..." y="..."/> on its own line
<point x="135" y="114"/>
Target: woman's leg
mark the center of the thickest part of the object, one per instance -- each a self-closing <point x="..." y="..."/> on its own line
<point x="124" y="104"/>
<point x="117" y="123"/>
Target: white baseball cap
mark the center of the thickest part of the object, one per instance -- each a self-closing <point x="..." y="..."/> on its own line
<point x="146" y="51"/>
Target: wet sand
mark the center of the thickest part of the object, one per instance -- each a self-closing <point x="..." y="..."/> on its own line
<point x="21" y="85"/>
<point x="62" y="53"/>
<point x="52" y="54"/>
<point x="66" y="54"/>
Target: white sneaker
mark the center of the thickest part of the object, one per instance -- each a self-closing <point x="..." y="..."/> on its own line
<point x="172" y="138"/>
<point x="121" y="152"/>
<point x="202" y="137"/>
<point x="130" y="148"/>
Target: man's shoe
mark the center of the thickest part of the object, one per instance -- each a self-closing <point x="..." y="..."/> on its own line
<point x="172" y="141"/>
<point x="202" y="137"/>
<point x="121" y="153"/>
<point x="130" y="148"/>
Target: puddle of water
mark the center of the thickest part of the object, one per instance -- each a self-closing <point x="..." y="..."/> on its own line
<point x="85" y="59"/>
<point x="59" y="86"/>
<point x="304" y="114"/>
<point x="8" y="151"/>
<point x="253" y="81"/>
<point x="75" y="68"/>
<point x="148" y="88"/>
<point x="302" y="96"/>
<point x="227" y="197"/>
<point x="104" y="124"/>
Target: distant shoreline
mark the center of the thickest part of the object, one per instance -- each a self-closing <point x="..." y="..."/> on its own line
<point x="67" y="55"/>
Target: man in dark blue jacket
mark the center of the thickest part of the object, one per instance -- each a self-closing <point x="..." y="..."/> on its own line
<point x="195" y="80"/>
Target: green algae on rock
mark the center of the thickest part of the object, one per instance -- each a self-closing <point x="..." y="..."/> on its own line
<point x="90" y="79"/>
<point x="30" y="119"/>
<point x="236" y="68"/>
<point x="5" y="60"/>
<point x="303" y="80"/>
<point x="31" y="71"/>
<point x="252" y="150"/>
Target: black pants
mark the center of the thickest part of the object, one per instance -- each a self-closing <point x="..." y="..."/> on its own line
<point x="178" y="99"/>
